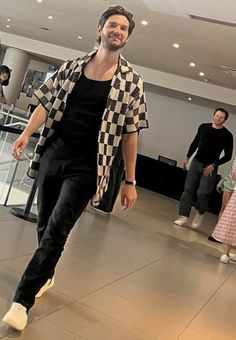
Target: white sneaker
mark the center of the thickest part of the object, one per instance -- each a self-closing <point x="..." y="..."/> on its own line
<point x="16" y="317"/>
<point x="197" y="221"/>
<point x="225" y="258"/>
<point x="228" y="259"/>
<point x="232" y="257"/>
<point x="182" y="221"/>
<point x="49" y="284"/>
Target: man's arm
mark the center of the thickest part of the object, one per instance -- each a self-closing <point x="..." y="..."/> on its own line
<point x="192" y="148"/>
<point x="128" y="192"/>
<point x="228" y="151"/>
<point x="37" y="119"/>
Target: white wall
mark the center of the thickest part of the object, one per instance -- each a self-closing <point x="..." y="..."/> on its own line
<point x="173" y="125"/>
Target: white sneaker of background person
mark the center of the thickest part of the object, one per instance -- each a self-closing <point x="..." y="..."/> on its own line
<point x="181" y="221"/>
<point x="197" y="221"/>
<point x="231" y="258"/>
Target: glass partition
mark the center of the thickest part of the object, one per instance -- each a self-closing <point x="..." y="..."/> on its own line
<point x="15" y="185"/>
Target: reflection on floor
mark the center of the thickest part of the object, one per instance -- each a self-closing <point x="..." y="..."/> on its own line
<point x="128" y="276"/>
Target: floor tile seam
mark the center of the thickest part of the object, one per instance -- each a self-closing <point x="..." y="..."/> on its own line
<point x="107" y="236"/>
<point x="102" y="236"/>
<point x="117" y="320"/>
<point x="15" y="257"/>
<point x="56" y="324"/>
<point x="206" y="302"/>
<point x="127" y="275"/>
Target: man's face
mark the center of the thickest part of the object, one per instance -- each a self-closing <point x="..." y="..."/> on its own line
<point x="219" y="118"/>
<point x="114" y="33"/>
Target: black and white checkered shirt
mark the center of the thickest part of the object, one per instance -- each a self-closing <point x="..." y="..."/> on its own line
<point x="125" y="112"/>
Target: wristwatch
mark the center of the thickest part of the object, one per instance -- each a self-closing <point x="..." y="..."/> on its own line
<point x="130" y="182"/>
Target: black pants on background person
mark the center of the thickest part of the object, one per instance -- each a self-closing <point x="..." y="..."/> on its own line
<point x="197" y="182"/>
<point x="116" y="175"/>
<point x="65" y="187"/>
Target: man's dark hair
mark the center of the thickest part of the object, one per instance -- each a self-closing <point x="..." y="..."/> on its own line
<point x="222" y="110"/>
<point x="116" y="10"/>
<point x="5" y="69"/>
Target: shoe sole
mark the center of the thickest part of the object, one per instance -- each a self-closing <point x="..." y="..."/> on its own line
<point x="181" y="224"/>
<point x="11" y="324"/>
<point x="40" y="293"/>
<point x="195" y="227"/>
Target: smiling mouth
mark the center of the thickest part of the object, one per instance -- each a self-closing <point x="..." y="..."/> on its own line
<point x="115" y="38"/>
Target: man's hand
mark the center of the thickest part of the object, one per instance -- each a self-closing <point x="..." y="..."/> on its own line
<point x="185" y="163"/>
<point x="19" y="146"/>
<point x="128" y="196"/>
<point x="208" y="170"/>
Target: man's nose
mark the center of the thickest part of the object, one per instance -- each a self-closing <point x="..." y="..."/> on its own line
<point x="117" y="30"/>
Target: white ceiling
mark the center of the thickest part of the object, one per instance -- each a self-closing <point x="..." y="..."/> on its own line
<point x="210" y="45"/>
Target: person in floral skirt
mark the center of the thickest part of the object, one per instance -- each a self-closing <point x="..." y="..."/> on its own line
<point x="225" y="230"/>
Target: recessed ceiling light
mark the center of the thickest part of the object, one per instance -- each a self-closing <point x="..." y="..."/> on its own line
<point x="39" y="0"/>
<point x="201" y="74"/>
<point x="79" y="37"/>
<point x="176" y="45"/>
<point x="50" y="17"/>
<point x="8" y="26"/>
<point x="8" y="19"/>
<point x="189" y="98"/>
<point x="144" y="22"/>
<point x="192" y="64"/>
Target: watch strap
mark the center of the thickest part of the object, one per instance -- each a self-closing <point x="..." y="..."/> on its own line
<point x="130" y="182"/>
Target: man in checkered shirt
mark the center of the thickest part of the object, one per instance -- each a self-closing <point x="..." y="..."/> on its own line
<point x="86" y="108"/>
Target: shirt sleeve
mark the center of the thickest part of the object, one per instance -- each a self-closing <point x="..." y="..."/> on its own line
<point x="195" y="143"/>
<point x="47" y="93"/>
<point x="228" y="151"/>
<point x="136" y="115"/>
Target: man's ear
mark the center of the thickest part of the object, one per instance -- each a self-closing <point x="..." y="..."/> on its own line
<point x="99" y="30"/>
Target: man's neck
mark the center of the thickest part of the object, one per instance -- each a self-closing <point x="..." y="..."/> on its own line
<point x="103" y="65"/>
<point x="217" y="126"/>
<point x="106" y="58"/>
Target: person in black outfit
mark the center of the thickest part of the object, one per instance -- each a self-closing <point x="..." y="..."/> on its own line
<point x="211" y="139"/>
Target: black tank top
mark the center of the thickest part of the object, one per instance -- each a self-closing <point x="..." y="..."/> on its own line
<point x="81" y="120"/>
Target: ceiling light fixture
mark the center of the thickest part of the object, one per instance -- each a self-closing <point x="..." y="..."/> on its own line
<point x="144" y="22"/>
<point x="175" y="45"/>
<point x="39" y="0"/>
<point x="50" y="17"/>
<point x="79" y="37"/>
<point x="189" y="98"/>
<point x="8" y="26"/>
<point x="201" y="74"/>
<point x="8" y="19"/>
<point x="192" y="64"/>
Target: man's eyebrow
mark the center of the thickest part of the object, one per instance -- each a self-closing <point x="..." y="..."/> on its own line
<point x="115" y="22"/>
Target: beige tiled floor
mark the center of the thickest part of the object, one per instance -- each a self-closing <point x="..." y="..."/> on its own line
<point x="128" y="276"/>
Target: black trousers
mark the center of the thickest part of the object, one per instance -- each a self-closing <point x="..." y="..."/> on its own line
<point x="65" y="186"/>
<point x="196" y="182"/>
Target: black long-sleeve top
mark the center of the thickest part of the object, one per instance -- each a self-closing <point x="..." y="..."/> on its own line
<point x="210" y="142"/>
